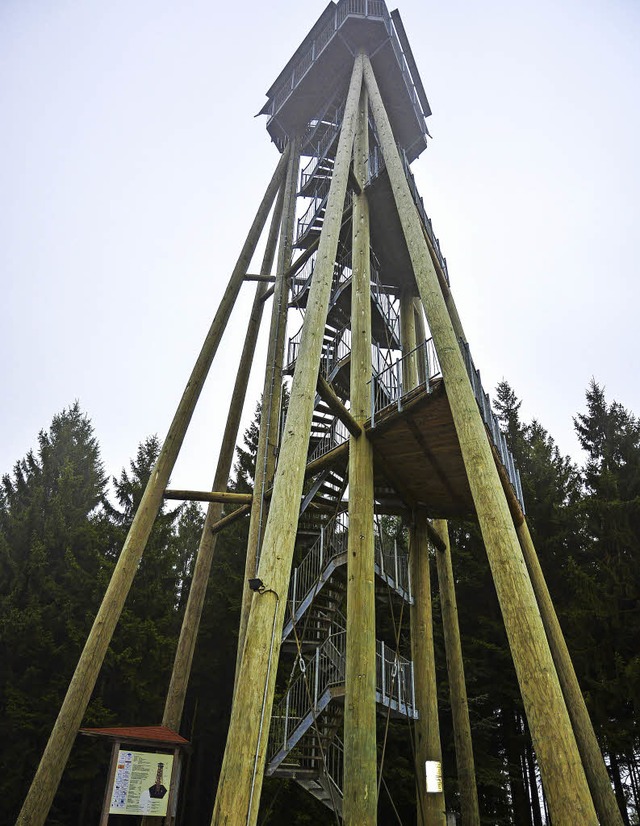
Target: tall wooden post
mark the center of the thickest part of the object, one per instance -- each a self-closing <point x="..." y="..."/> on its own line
<point x="562" y="772"/>
<point x="594" y="765"/>
<point x="54" y="759"/>
<point x="271" y="392"/>
<point x="241" y="777"/>
<point x="457" y="688"/>
<point x="177" y="691"/>
<point x="408" y="336"/>
<point x="360" y="757"/>
<point x="431" y="805"/>
<point x="421" y="335"/>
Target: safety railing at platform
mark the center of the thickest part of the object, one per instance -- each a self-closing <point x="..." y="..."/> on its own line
<point x="491" y="421"/>
<point x="345" y="8"/>
<point x="388" y="387"/>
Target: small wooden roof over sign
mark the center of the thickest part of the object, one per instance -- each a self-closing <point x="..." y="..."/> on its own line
<point x="140" y="735"/>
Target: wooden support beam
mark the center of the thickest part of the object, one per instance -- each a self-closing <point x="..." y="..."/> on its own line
<point x="419" y="436"/>
<point x="355" y="184"/>
<point x="435" y="537"/>
<point x="230" y="518"/>
<point x="595" y="768"/>
<point x="457" y="686"/>
<point x="408" y="336"/>
<point x="267" y="294"/>
<point x="337" y="455"/>
<point x="421" y="334"/>
<point x="40" y="796"/>
<point x="360" y="800"/>
<point x="302" y="259"/>
<point x="431" y="805"/>
<point x="222" y="496"/>
<point x="271" y="394"/>
<point x="241" y="776"/>
<point x="563" y="775"/>
<point x="328" y="395"/>
<point x="512" y="500"/>
<point x="267" y="279"/>
<point x="181" y="671"/>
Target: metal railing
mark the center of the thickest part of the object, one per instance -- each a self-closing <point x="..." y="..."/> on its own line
<point x="391" y="562"/>
<point x="491" y="421"/>
<point x="334" y="763"/>
<point x="388" y="386"/>
<point x="336" y="435"/>
<point x="385" y="304"/>
<point x="302" y="281"/>
<point x="322" y="149"/>
<point x="306" y="221"/>
<point x="336" y="350"/>
<point x="344" y="9"/>
<point x="305" y="698"/>
<point x="331" y="542"/>
<point x="323" y="670"/>
<point x="394" y="680"/>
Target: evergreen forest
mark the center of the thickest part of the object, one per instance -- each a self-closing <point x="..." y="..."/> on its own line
<point x="63" y="520"/>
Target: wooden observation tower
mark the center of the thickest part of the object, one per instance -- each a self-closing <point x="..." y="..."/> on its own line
<point x="386" y="417"/>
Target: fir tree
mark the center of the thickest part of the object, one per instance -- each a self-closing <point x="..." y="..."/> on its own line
<point x="52" y="541"/>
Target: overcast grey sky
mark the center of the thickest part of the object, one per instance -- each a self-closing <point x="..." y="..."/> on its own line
<point x="131" y="166"/>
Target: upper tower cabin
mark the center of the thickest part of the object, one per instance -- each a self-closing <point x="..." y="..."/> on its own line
<point x="319" y="71"/>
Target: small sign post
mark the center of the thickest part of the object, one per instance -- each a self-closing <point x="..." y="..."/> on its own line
<point x="142" y="782"/>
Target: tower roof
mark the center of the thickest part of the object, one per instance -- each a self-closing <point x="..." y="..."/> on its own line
<point x="321" y="66"/>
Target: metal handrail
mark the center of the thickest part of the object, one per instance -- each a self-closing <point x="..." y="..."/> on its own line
<point x="385" y="304"/>
<point x="387" y="387"/>
<point x="306" y="221"/>
<point x="323" y="670"/>
<point x="326" y="668"/>
<point x="332" y="542"/>
<point x="394" y="679"/>
<point x="491" y="421"/>
<point x="335" y="436"/>
<point x="322" y="150"/>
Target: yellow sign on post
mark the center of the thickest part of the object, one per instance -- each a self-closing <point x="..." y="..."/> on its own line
<point x="141" y="783"/>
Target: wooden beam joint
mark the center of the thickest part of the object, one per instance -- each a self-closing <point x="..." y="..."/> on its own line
<point x="230" y="518"/>
<point x="210" y="496"/>
<point x="329" y="397"/>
